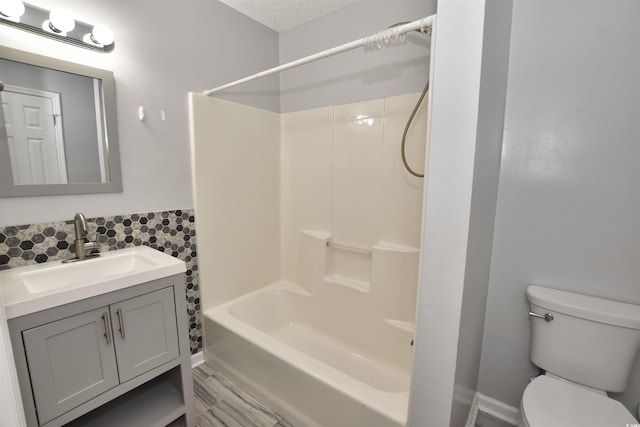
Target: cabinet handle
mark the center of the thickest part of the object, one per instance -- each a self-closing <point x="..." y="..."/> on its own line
<point x="121" y="322"/>
<point x="107" y="329"/>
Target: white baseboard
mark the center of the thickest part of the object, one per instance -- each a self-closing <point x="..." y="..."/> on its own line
<point x="473" y="412"/>
<point x="498" y="409"/>
<point x="197" y="359"/>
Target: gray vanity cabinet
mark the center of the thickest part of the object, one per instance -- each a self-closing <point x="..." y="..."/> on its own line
<point x="62" y="379"/>
<point x="111" y="345"/>
<point x="118" y="359"/>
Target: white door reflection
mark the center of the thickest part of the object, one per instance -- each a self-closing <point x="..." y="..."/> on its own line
<point x="33" y="121"/>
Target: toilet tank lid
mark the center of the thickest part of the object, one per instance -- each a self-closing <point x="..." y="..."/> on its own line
<point x="586" y="307"/>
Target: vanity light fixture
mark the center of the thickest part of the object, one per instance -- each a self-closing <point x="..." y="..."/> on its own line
<point x="12" y="9"/>
<point x="57" y="25"/>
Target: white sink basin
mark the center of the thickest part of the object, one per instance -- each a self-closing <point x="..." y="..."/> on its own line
<point x="38" y="287"/>
<point x="71" y="275"/>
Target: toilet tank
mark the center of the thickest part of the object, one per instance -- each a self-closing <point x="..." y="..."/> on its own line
<point x="590" y="341"/>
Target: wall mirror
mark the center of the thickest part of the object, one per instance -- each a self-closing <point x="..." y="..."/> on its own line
<point x="58" y="131"/>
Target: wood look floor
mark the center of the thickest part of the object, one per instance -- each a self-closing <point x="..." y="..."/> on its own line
<point x="220" y="404"/>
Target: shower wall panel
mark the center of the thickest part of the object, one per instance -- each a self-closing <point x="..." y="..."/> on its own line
<point x="236" y="163"/>
<point x="343" y="177"/>
<point x="401" y="194"/>
<point x="306" y="179"/>
<point x="357" y="151"/>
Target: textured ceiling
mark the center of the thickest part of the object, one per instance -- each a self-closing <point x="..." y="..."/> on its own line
<point x="281" y="15"/>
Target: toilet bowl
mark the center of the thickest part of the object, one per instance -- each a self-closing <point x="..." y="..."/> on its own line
<point x="587" y="345"/>
<point x="553" y="402"/>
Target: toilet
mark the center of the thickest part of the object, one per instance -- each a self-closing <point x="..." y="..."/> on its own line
<point x="587" y="346"/>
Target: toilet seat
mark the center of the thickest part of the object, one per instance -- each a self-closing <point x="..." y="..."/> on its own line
<point x="551" y="402"/>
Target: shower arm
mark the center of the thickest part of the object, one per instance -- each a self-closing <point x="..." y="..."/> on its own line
<point x="423" y="25"/>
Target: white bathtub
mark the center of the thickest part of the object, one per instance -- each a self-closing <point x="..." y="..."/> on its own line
<point x="314" y="364"/>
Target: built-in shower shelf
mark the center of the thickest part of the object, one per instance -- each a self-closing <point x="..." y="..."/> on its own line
<point x="401" y="324"/>
<point x="390" y="247"/>
<point x="349" y="282"/>
<point x="352" y="248"/>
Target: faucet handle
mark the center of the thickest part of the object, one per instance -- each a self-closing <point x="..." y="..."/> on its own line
<point x="90" y="246"/>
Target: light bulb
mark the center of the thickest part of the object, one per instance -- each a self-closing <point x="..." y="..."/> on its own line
<point x="59" y="22"/>
<point x="101" y="34"/>
<point x="12" y="9"/>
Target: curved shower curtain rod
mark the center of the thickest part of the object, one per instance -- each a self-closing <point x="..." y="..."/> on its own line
<point x="377" y="40"/>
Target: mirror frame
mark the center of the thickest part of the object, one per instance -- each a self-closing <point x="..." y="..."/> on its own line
<point x="9" y="189"/>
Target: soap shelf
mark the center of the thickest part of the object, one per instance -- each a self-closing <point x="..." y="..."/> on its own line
<point x="351" y="248"/>
<point x="358" y="285"/>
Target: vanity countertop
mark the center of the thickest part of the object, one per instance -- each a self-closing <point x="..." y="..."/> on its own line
<point x="33" y="288"/>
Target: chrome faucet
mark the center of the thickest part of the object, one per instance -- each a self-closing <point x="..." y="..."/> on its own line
<point x="82" y="246"/>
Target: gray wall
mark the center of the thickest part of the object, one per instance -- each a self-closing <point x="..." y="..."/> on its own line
<point x="78" y="114"/>
<point x="355" y="75"/>
<point x="159" y="57"/>
<point x="568" y="200"/>
<point x="493" y="87"/>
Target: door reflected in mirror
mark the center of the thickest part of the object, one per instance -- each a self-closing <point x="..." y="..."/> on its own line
<point x="58" y="132"/>
<point x="52" y="122"/>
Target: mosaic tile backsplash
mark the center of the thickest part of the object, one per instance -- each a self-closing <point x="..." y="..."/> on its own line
<point x="171" y="232"/>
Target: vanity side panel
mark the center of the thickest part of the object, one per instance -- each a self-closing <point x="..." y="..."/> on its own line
<point x="185" y="354"/>
<point x="22" y="370"/>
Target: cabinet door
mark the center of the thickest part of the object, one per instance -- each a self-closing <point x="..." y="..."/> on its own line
<point x="145" y="332"/>
<point x="70" y="361"/>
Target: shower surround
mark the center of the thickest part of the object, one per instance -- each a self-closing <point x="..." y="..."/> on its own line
<point x="310" y="226"/>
